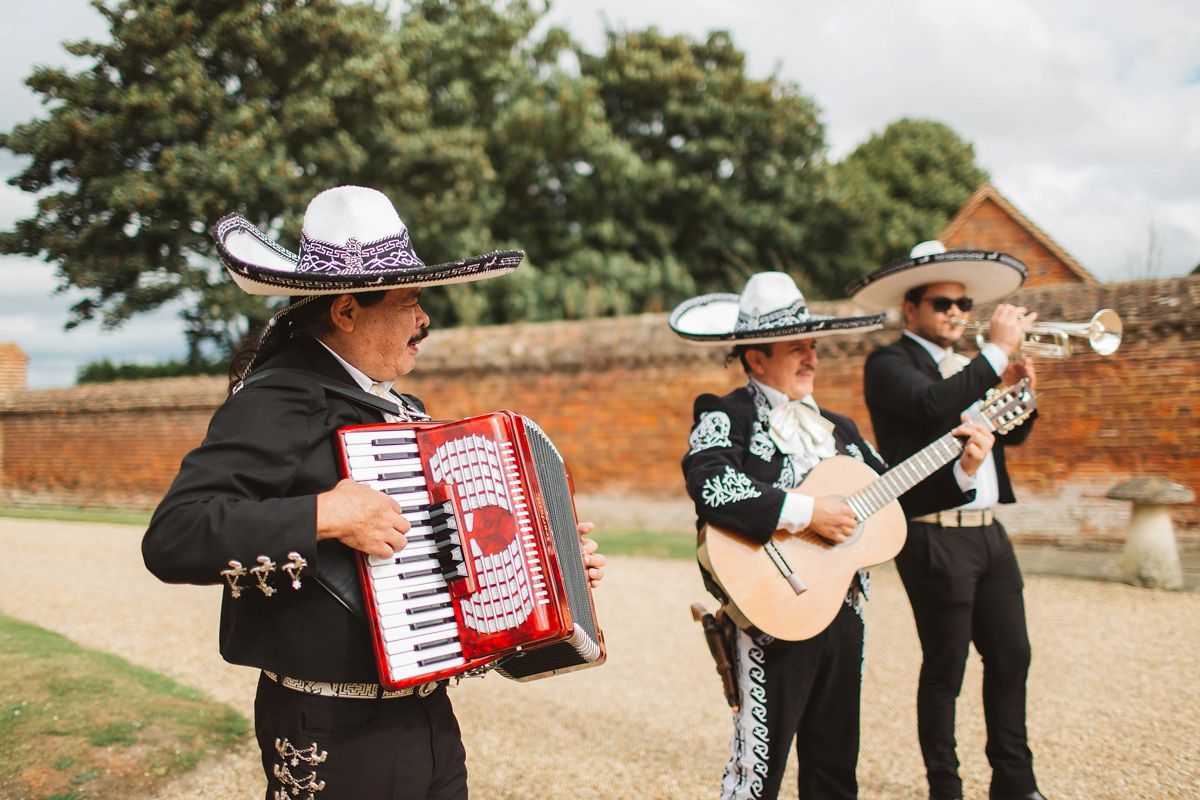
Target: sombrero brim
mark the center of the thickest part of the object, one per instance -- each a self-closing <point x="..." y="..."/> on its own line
<point x="260" y="266"/>
<point x="711" y="319"/>
<point x="985" y="275"/>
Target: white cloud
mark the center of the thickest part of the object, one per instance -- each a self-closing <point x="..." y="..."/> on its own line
<point x="1085" y="112"/>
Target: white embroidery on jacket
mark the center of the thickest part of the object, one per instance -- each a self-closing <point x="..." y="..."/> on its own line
<point x="712" y="430"/>
<point x="761" y="444"/>
<point x="730" y="487"/>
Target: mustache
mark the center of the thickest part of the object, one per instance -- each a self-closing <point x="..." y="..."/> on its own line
<point x="420" y="335"/>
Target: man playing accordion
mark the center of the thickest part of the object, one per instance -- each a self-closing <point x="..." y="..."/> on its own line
<point x="260" y="507"/>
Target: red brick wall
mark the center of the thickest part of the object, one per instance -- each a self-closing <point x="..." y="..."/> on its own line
<point x="615" y="395"/>
<point x="105" y="445"/>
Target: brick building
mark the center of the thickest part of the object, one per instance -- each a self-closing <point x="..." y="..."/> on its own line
<point x="989" y="222"/>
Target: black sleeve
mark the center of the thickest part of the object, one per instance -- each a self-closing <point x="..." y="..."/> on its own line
<point x="891" y="383"/>
<point x="240" y="494"/>
<point x="729" y="491"/>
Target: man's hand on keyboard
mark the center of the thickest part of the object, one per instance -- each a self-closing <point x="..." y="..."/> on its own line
<point x="362" y="518"/>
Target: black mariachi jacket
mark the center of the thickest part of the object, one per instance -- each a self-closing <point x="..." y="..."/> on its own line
<point x="249" y="491"/>
<point x="736" y="475"/>
<point x="911" y="405"/>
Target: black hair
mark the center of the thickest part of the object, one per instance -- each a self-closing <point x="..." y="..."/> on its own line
<point x="303" y="316"/>
<point x="916" y="294"/>
<point x="739" y="352"/>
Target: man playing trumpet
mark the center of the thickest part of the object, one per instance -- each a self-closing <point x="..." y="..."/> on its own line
<point x="957" y="565"/>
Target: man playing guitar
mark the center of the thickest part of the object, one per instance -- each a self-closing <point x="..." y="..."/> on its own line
<point x="746" y="451"/>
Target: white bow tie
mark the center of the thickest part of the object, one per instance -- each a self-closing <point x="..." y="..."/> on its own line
<point x="797" y="427"/>
<point x="952" y="363"/>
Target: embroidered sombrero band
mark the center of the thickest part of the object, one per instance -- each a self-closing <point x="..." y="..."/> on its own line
<point x="770" y="309"/>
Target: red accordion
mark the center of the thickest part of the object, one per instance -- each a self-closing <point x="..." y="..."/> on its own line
<point x="492" y="576"/>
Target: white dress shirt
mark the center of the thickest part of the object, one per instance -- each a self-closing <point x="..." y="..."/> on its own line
<point x="986" y="483"/>
<point x="381" y="389"/>
<point x="797" y="511"/>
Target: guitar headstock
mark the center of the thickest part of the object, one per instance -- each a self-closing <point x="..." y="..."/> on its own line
<point x="1006" y="408"/>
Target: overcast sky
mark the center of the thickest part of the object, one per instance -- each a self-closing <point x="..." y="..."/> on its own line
<point x="1086" y="113"/>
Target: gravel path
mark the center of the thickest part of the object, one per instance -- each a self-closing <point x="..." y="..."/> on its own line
<point x="1114" y="692"/>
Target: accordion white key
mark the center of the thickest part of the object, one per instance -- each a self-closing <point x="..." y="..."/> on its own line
<point x="492" y="576"/>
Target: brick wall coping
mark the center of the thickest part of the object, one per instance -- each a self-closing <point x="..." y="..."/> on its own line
<point x="1146" y="307"/>
<point x="583" y="344"/>
<point x="205" y="392"/>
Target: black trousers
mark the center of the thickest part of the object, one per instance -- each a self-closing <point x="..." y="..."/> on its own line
<point x="965" y="587"/>
<point x="334" y="748"/>
<point x="809" y="691"/>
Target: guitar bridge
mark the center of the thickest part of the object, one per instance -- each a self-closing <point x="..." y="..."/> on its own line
<point x="785" y="569"/>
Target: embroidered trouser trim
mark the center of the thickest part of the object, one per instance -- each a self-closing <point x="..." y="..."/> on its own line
<point x="807" y="691"/>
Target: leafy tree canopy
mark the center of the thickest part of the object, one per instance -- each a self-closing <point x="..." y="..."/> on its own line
<point x="731" y="162"/>
<point x="633" y="178"/>
<point x="898" y="188"/>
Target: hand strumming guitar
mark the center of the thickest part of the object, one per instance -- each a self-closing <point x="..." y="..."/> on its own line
<point x="832" y="519"/>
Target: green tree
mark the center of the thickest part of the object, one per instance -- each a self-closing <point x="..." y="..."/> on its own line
<point x="557" y="171"/>
<point x="898" y="188"/>
<point x="730" y="163"/>
<point x="197" y="108"/>
<point x="105" y="371"/>
<point x="633" y="178"/>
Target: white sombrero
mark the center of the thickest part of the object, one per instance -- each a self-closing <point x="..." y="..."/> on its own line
<point x="769" y="309"/>
<point x="986" y="275"/>
<point x="352" y="240"/>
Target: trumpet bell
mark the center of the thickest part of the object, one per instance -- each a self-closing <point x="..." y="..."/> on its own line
<point x="1052" y="339"/>
<point x="1105" y="332"/>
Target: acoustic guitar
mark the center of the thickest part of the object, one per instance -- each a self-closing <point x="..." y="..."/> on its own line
<point x="792" y="587"/>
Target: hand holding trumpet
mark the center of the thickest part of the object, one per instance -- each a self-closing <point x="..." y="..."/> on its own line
<point x="1018" y="368"/>
<point x="1008" y="326"/>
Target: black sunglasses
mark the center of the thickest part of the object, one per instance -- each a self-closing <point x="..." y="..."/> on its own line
<point x="942" y="304"/>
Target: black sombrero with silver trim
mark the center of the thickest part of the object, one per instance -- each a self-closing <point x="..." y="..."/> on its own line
<point x="986" y="275"/>
<point x="770" y="309"/>
<point x="352" y="240"/>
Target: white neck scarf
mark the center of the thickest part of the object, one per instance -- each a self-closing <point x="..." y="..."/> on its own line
<point x="797" y="427"/>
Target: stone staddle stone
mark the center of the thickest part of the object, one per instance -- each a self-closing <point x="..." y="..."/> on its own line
<point x="1151" y="557"/>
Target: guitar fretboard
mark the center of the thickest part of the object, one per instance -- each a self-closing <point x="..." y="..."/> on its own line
<point x="1000" y="414"/>
<point x="898" y="480"/>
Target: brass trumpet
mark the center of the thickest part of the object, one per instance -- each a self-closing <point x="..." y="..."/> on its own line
<point x="1053" y="339"/>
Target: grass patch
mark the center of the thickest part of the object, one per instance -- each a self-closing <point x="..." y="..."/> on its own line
<point x="646" y="544"/>
<point x="115" y="516"/>
<point x="78" y="723"/>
